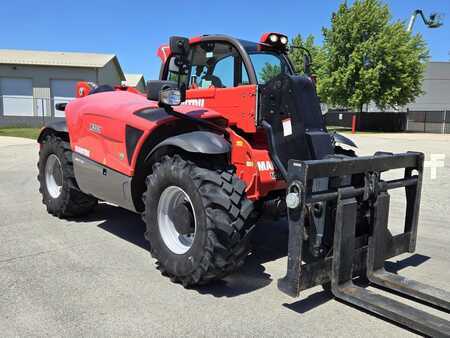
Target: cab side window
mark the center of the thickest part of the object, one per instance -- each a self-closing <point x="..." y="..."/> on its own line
<point x="215" y="65"/>
<point x="223" y="74"/>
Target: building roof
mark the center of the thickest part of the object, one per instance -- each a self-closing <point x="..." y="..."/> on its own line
<point x="132" y="80"/>
<point x="58" y="59"/>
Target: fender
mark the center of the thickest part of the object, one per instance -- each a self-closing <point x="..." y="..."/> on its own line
<point x="204" y="142"/>
<point x="339" y="138"/>
<point x="58" y="127"/>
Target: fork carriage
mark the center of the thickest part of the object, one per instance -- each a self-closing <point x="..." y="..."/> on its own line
<point x="361" y="256"/>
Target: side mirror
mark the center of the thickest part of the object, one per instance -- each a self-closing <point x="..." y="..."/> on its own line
<point x="179" y="46"/>
<point x="306" y="64"/>
<point x="307" y="59"/>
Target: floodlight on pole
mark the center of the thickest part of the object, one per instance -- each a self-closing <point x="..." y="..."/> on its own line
<point x="433" y="21"/>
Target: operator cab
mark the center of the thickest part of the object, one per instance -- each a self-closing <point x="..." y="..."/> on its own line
<point x="254" y="87"/>
<point x="217" y="62"/>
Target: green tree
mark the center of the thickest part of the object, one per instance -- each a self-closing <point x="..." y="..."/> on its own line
<point x="269" y="71"/>
<point x="368" y="58"/>
<point x="296" y="54"/>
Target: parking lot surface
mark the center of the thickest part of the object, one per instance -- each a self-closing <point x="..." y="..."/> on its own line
<point x="94" y="276"/>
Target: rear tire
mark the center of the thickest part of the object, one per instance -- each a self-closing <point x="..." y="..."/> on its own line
<point x="57" y="184"/>
<point x="220" y="224"/>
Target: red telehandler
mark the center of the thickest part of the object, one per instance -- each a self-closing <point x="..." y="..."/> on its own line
<point x="227" y="131"/>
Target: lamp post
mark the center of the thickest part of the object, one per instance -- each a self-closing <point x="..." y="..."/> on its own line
<point x="433" y="21"/>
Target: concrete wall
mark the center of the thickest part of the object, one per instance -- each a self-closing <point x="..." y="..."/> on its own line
<point x="428" y="121"/>
<point x="436" y="85"/>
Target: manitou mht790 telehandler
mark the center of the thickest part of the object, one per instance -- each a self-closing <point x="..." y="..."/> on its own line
<point x="229" y="130"/>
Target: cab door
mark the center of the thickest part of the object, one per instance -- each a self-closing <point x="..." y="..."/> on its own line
<point x="219" y="80"/>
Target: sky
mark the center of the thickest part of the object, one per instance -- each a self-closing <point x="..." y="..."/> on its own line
<point x="134" y="29"/>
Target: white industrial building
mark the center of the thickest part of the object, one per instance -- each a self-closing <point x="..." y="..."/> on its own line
<point x="430" y="112"/>
<point x="135" y="80"/>
<point x="31" y="82"/>
<point x="436" y="85"/>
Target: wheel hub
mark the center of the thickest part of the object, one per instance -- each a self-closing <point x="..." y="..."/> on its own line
<point x="176" y="220"/>
<point x="53" y="176"/>
<point x="183" y="219"/>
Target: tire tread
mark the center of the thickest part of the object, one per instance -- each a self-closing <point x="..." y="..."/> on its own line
<point x="227" y="211"/>
<point x="75" y="203"/>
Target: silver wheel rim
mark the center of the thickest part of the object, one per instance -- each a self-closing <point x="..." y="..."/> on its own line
<point x="53" y="176"/>
<point x="176" y="242"/>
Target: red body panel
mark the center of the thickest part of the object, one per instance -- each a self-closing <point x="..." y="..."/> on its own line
<point x="163" y="53"/>
<point x="96" y="124"/>
<point x="254" y="167"/>
<point x="237" y="105"/>
<point x="252" y="161"/>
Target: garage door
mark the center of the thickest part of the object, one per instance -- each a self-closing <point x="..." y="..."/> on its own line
<point x="17" y="96"/>
<point x="62" y="91"/>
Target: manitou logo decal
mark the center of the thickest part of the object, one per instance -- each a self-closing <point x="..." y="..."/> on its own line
<point x="194" y="102"/>
<point x="264" y="166"/>
<point x="95" y="128"/>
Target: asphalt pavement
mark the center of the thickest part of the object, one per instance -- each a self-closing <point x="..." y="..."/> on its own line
<point x="94" y="276"/>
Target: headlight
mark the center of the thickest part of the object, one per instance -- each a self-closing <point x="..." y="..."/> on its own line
<point x="170" y="97"/>
<point x="273" y="38"/>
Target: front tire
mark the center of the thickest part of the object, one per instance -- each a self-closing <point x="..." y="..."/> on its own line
<point x="57" y="185"/>
<point x="197" y="221"/>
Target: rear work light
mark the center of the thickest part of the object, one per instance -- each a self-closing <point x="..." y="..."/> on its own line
<point x="276" y="40"/>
